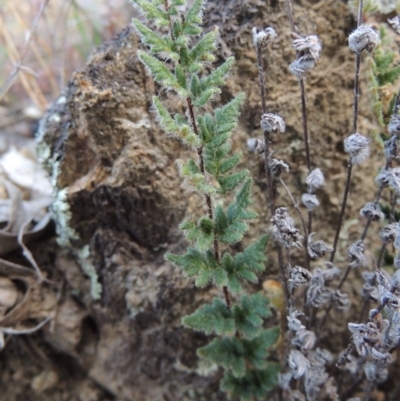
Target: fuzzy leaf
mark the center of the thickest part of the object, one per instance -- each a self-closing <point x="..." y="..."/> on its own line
<point x="161" y="73"/>
<point x="206" y="96"/>
<point x="194" y="14"/>
<point x="191" y="263"/>
<point x="205" y="46"/>
<point x="157" y="44"/>
<point x="234" y="232"/>
<point x="218" y="140"/>
<point x="227" y="115"/>
<point x="230" y="182"/>
<point x="195" y="179"/>
<point x="249" y="314"/>
<point x="165" y="119"/>
<point x="216" y="78"/>
<point x="228" y="164"/>
<point x="253" y="257"/>
<point x="152" y="12"/>
<point x="221" y="221"/>
<point x="256" y="384"/>
<point x="181" y="131"/>
<point x="228" y="352"/>
<point x="216" y="317"/>
<point x="180" y="76"/>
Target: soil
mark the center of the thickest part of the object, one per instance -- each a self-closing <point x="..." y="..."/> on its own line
<point x="126" y="200"/>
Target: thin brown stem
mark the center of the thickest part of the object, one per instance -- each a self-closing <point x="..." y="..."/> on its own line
<point x="303" y="223"/>
<point x="342" y="210"/>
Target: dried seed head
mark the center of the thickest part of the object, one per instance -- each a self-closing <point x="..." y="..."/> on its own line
<point x="294" y="324"/>
<point x="317" y="249"/>
<point x="264" y="37"/>
<point x="376" y="372"/>
<point x="394" y="179"/>
<point x="298" y="277"/>
<point x="317" y="294"/>
<point x="363" y="38"/>
<point x="370" y="292"/>
<point x="255" y="145"/>
<point x="397" y="237"/>
<point x="277" y="167"/>
<point x="283" y="229"/>
<point x="298" y="363"/>
<point x="355" y="252"/>
<point x="392" y="148"/>
<point x="394" y="124"/>
<point x="356" y="145"/>
<point x="304" y="339"/>
<point x="272" y="122"/>
<point x="395" y="23"/>
<point x="310" y="201"/>
<point x="308" y="45"/>
<point x="372" y="212"/>
<point x="284" y="380"/>
<point x="391" y="301"/>
<point x="340" y="300"/>
<point x="396" y="262"/>
<point x="301" y="66"/>
<point x="388" y="233"/>
<point x="367" y="338"/>
<point x="369" y="277"/>
<point x="315" y="180"/>
<point x="383" y="178"/>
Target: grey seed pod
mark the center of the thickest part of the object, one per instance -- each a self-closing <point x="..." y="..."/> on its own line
<point x="301" y="66"/>
<point x="392" y="148"/>
<point x="395" y="23"/>
<point x="298" y="363"/>
<point x="264" y="37"/>
<point x="396" y="279"/>
<point x="375" y="372"/>
<point x="283" y="229"/>
<point x="370" y="292"/>
<point x="284" y="380"/>
<point x="394" y="124"/>
<point x="383" y="178"/>
<point x="363" y="38"/>
<point x="330" y="273"/>
<point x="255" y="145"/>
<point x="310" y="201"/>
<point x="298" y="277"/>
<point x="317" y="249"/>
<point x="317" y="294"/>
<point x="315" y="180"/>
<point x="355" y="252"/>
<point x="369" y="277"/>
<point x="397" y="237"/>
<point x="372" y="212"/>
<point x="396" y="262"/>
<point x="304" y="339"/>
<point x="388" y="233"/>
<point x="394" y="179"/>
<point x="294" y="324"/>
<point x="277" y="167"/>
<point x="356" y="145"/>
<point x="391" y="301"/>
<point x="272" y="122"/>
<point x="309" y="44"/>
<point x="341" y="301"/>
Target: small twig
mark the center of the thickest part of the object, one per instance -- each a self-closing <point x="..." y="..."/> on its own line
<point x="10" y="330"/>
